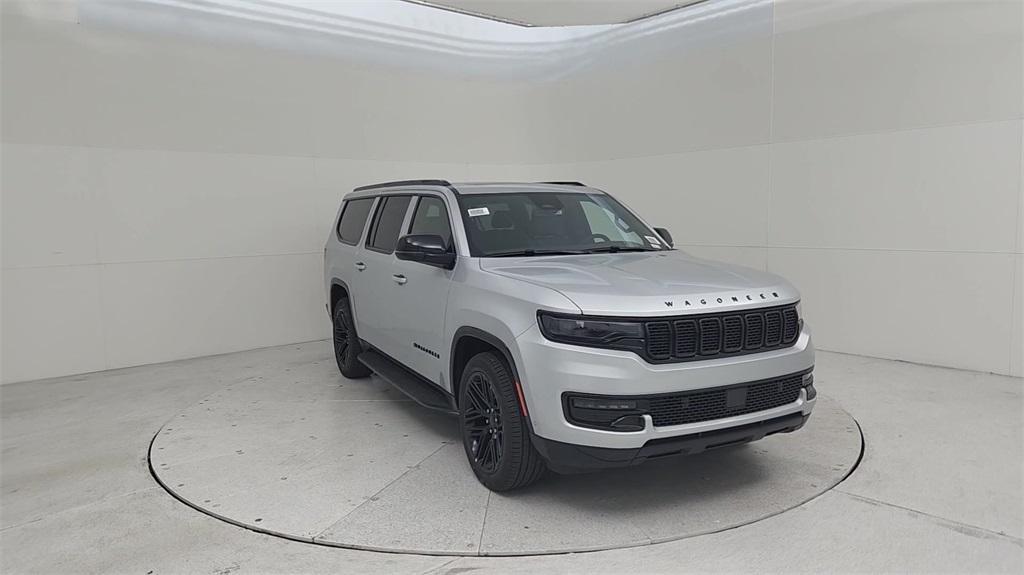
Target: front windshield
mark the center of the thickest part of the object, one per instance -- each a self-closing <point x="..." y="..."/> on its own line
<point x="547" y="223"/>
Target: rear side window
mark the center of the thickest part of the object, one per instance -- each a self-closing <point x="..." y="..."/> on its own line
<point x="388" y="224"/>
<point x="353" y="219"/>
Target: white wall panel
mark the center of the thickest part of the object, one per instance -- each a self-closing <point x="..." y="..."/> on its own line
<point x="78" y="85"/>
<point x="51" y="322"/>
<point x="1020" y="196"/>
<point x="713" y="96"/>
<point x="850" y="67"/>
<point x="37" y="84"/>
<point x="49" y="215"/>
<point x="420" y="117"/>
<point x="157" y="205"/>
<point x="756" y="258"/>
<point x="170" y="310"/>
<point x="479" y="172"/>
<point x="939" y="308"/>
<point x="953" y="188"/>
<point x="1017" y="307"/>
<point x="715" y="197"/>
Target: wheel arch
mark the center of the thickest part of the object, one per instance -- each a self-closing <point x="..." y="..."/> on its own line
<point x="469" y="341"/>
<point x="339" y="289"/>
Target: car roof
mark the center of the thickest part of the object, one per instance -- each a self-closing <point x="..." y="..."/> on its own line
<point x="513" y="187"/>
<point x="472" y="187"/>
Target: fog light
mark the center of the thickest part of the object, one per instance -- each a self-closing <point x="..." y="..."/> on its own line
<point x="597" y="403"/>
<point x="808" y="383"/>
<point x="609" y="413"/>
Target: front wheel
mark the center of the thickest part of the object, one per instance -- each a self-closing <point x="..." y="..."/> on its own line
<point x="494" y="430"/>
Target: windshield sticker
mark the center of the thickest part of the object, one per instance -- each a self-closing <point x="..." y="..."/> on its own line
<point x="653" y="241"/>
<point x="477" y="212"/>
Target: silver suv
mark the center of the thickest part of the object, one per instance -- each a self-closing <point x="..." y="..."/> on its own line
<point x="564" y="331"/>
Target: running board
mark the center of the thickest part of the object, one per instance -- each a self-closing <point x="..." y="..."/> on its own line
<point x="418" y="389"/>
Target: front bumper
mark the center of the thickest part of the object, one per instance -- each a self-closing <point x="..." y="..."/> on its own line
<point x="547" y="370"/>
<point x="569" y="458"/>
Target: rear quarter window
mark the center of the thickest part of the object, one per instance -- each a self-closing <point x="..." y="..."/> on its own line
<point x="353" y="220"/>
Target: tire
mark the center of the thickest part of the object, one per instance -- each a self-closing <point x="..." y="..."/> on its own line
<point x="346" y="342"/>
<point x="498" y="448"/>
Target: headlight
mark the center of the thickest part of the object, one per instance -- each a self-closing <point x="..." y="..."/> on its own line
<point x="800" y="316"/>
<point x="580" y="330"/>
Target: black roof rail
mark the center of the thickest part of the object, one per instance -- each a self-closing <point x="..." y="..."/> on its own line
<point x="402" y="183"/>
<point x="565" y="183"/>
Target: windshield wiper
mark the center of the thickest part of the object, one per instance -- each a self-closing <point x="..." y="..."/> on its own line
<point x="531" y="253"/>
<point x="616" y="249"/>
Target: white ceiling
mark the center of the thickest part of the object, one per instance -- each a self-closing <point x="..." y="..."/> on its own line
<point x="561" y="12"/>
<point x="418" y="36"/>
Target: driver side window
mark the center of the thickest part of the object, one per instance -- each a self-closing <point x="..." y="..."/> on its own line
<point x="431" y="217"/>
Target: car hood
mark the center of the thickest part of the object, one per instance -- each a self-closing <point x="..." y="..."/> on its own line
<point x="647" y="283"/>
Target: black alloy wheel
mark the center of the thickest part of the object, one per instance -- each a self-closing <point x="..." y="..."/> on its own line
<point x="346" y="342"/>
<point x="482" y="423"/>
<point x="495" y="429"/>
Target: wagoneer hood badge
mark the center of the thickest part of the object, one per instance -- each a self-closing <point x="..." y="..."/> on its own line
<point x="651" y="284"/>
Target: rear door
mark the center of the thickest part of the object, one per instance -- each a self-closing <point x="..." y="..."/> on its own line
<point x="420" y="295"/>
<point x="377" y="322"/>
<point x="345" y="249"/>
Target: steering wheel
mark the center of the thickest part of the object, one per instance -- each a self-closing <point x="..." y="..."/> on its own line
<point x="598" y="238"/>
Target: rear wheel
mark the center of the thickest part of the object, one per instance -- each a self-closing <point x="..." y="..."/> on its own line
<point x="346" y="342"/>
<point x="494" y="430"/>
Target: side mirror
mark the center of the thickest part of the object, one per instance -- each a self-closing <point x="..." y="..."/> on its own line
<point x="664" y="235"/>
<point x="427" y="249"/>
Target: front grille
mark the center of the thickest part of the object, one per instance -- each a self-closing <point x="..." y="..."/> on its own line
<point x="707" y="336"/>
<point x="659" y="340"/>
<point x="709" y="404"/>
<point x="686" y="338"/>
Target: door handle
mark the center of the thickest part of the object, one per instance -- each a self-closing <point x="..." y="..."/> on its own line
<point x="360" y="266"/>
<point x="399" y="278"/>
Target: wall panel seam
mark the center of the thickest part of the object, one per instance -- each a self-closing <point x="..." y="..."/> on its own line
<point x="1014" y="312"/>
<point x="855" y="249"/>
<point x="525" y="163"/>
<point x="162" y="260"/>
<point x="768" y="208"/>
<point x="923" y="127"/>
<point x="101" y="312"/>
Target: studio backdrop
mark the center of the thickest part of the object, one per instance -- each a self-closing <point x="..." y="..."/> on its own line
<point x="171" y="168"/>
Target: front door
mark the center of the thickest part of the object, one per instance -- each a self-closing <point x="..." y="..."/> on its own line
<point x="421" y="294"/>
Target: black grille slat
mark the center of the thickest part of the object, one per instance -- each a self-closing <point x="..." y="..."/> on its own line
<point x="710" y="336"/>
<point x="754" y="336"/>
<point x="705" y="336"/>
<point x="710" y="404"/>
<point x="686" y="338"/>
<point x="790" y="325"/>
<point x="772" y="328"/>
<point x="732" y="333"/>
<point x="659" y="339"/>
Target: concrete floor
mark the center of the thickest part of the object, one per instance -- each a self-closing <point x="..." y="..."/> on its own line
<point x="939" y="488"/>
<point x="301" y="452"/>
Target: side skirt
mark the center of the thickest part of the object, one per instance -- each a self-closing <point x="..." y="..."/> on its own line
<point x="419" y="389"/>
